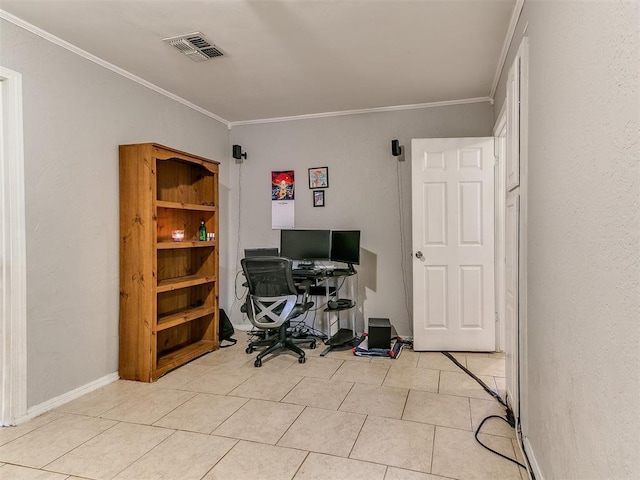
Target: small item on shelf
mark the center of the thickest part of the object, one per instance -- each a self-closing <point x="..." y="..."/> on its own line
<point x="202" y="232"/>
<point x="211" y="237"/>
<point x="177" y="235"/>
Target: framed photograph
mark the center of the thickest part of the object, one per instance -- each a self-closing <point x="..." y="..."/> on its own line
<point x="318" y="177"/>
<point x="318" y="198"/>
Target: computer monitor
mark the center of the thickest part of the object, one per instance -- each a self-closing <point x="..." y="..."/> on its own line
<point x="345" y="247"/>
<point x="305" y="245"/>
<point x="261" y="252"/>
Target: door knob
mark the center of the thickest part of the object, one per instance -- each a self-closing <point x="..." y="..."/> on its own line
<point x="419" y="254"/>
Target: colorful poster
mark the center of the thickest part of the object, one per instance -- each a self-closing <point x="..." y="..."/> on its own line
<point x="282" y="185"/>
<point x="282" y="200"/>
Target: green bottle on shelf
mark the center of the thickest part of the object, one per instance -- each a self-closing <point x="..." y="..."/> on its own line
<point x="202" y="232"/>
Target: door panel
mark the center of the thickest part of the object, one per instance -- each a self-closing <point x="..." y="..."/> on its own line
<point x="453" y="247"/>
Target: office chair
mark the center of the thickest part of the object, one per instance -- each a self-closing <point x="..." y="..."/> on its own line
<point x="272" y="302"/>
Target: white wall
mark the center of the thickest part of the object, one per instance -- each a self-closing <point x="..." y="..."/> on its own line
<point x="76" y="113"/>
<point x="362" y="193"/>
<point x="583" y="237"/>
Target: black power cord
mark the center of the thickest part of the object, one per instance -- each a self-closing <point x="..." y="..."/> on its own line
<point x="509" y="416"/>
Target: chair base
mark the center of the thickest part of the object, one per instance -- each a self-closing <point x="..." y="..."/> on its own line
<point x="276" y="343"/>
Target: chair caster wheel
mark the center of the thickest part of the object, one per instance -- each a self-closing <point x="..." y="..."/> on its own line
<point x="257" y="363"/>
<point x="312" y="345"/>
<point x="302" y="359"/>
<point x="249" y="350"/>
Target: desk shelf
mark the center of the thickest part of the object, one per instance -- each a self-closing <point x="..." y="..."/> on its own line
<point x="340" y="320"/>
<point x="340" y="308"/>
<point x="342" y="336"/>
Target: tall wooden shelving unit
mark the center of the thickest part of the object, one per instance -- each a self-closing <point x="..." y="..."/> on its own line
<point x="168" y="290"/>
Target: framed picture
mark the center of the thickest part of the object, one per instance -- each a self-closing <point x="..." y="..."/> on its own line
<point x="318" y="177"/>
<point x="318" y="198"/>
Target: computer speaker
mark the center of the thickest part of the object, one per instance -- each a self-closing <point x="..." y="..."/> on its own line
<point x="237" y="152"/>
<point x="396" y="149"/>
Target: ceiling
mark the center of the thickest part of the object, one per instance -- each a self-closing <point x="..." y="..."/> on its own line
<point x="292" y="57"/>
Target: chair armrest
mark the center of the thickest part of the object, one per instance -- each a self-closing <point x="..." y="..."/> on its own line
<point x="305" y="286"/>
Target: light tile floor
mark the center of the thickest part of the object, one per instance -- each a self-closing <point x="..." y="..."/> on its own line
<point x="334" y="417"/>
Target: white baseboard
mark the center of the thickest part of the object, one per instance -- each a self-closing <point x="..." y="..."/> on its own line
<point x="533" y="463"/>
<point x="44" y="407"/>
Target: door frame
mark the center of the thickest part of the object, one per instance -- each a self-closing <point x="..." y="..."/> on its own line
<point x="523" y="56"/>
<point x="520" y="188"/>
<point x="13" y="268"/>
<point x="499" y="135"/>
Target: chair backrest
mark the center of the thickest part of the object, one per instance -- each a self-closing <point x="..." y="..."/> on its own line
<point x="272" y="293"/>
<point x="269" y="276"/>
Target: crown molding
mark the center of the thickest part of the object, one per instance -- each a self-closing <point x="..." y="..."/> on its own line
<point x="362" y="111"/>
<point x="103" y="63"/>
<point x="72" y="48"/>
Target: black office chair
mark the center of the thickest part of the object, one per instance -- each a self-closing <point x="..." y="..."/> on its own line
<point x="272" y="302"/>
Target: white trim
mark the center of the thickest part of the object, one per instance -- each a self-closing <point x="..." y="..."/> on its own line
<point x="52" y="403"/>
<point x="535" y="467"/>
<point x="523" y="353"/>
<point x="361" y="111"/>
<point x="13" y="268"/>
<point x="515" y="15"/>
<point x="500" y="202"/>
<point x="103" y="63"/>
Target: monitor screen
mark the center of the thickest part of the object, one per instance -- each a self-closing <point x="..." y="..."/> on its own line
<point x="305" y="244"/>
<point x="345" y="246"/>
<point x="261" y="252"/>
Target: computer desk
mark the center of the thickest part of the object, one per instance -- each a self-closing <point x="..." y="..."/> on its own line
<point x="329" y="283"/>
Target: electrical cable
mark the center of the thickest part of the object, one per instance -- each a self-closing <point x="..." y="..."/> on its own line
<point x="403" y="261"/>
<point x="472" y="375"/>
<point x="237" y="264"/>
<point x="239" y="214"/>
<point x="235" y="287"/>
<point x="490" y="449"/>
<point x="509" y="417"/>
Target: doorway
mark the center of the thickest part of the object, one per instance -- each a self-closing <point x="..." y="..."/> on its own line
<point x="13" y="311"/>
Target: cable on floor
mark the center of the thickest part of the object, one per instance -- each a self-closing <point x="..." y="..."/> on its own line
<point x="509" y="416"/>
<point x="491" y="449"/>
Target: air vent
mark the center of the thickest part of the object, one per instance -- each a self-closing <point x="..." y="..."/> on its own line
<point x="195" y="46"/>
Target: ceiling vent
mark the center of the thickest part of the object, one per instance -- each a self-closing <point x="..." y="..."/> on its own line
<point x="195" y="46"/>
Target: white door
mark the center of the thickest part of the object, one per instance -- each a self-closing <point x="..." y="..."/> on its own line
<point x="512" y="222"/>
<point x="453" y="244"/>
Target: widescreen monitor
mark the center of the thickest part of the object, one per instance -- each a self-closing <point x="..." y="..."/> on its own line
<point x="345" y="246"/>
<point x="261" y="252"/>
<point x="305" y="244"/>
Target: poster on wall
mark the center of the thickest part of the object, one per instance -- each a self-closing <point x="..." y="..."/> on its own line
<point x="282" y="199"/>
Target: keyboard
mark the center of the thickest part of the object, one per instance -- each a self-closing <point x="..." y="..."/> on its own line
<point x="306" y="272"/>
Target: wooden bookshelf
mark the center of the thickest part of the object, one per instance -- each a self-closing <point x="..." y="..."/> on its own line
<point x="168" y="290"/>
